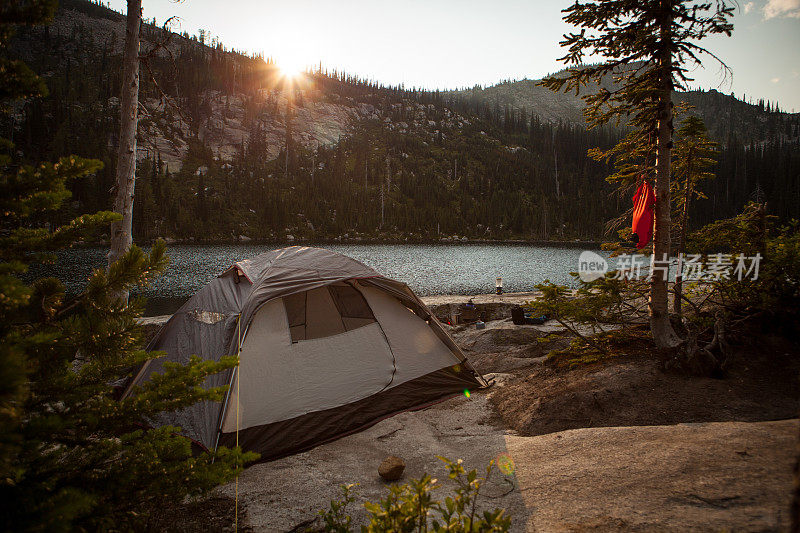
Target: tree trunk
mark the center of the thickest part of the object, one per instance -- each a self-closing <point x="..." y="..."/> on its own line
<point x="687" y="192"/>
<point x="661" y="328"/>
<point x="122" y="231"/>
<point x="288" y="138"/>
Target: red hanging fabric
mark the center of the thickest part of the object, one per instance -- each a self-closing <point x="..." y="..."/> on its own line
<point x="643" y="203"/>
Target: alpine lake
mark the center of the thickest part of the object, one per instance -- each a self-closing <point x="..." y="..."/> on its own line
<point x="429" y="269"/>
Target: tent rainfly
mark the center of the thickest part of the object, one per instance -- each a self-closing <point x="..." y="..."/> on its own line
<point x="327" y="346"/>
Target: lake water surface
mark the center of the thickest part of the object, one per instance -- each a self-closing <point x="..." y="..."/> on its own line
<point x="427" y="268"/>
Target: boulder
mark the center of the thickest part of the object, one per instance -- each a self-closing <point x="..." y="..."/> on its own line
<point x="391" y="469"/>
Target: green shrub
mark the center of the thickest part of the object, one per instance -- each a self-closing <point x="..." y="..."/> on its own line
<point x="774" y="297"/>
<point x="411" y="507"/>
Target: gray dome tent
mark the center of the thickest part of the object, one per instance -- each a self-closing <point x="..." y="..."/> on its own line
<point x="327" y="347"/>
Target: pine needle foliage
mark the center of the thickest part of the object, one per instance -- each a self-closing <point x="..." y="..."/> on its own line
<point x="594" y="309"/>
<point x="647" y="46"/>
<point x="72" y="456"/>
<point x="18" y="80"/>
<point x="695" y="155"/>
<point x="627" y="33"/>
<point x="773" y="297"/>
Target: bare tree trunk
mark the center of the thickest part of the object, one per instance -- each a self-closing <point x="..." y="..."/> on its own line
<point x="678" y="288"/>
<point x="122" y="231"/>
<point x="288" y="131"/>
<point x="313" y="164"/>
<point x="687" y="192"/>
<point x="660" y="327"/>
<point x="555" y="164"/>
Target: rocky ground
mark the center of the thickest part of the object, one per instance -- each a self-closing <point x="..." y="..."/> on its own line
<point x="617" y="445"/>
<point x="719" y="476"/>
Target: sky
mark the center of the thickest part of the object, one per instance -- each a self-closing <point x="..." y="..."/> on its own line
<point x="450" y="44"/>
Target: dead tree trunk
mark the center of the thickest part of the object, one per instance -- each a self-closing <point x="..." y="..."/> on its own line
<point x="288" y="132"/>
<point x="122" y="231"/>
<point x="687" y="195"/>
<point x="661" y="328"/>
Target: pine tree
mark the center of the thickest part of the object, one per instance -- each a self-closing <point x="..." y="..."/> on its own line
<point x="72" y="457"/>
<point x="694" y="155"/>
<point x="647" y="44"/>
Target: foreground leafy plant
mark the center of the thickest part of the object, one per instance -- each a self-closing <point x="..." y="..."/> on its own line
<point x="411" y="507"/>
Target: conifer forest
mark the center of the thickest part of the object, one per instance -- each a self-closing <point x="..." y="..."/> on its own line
<point x="254" y="292"/>
<point x="228" y="149"/>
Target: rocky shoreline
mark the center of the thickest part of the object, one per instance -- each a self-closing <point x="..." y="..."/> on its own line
<point x="576" y="243"/>
<point x="493" y="306"/>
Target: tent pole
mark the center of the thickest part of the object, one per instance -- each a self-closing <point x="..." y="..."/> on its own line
<point x="225" y="402"/>
<point x="224" y="410"/>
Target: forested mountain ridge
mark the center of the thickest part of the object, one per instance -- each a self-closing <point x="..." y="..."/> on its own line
<point x="214" y="85"/>
<point x="225" y="153"/>
<point x="724" y="115"/>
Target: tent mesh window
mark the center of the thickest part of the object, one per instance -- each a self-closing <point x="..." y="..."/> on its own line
<point x="311" y="315"/>
<point x="350" y="302"/>
<point x="295" y="306"/>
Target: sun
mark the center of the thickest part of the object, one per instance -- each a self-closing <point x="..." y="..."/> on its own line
<point x="291" y="67"/>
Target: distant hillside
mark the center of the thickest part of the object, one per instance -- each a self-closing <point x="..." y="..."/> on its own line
<point x="724" y="115"/>
<point x="228" y="149"/>
<point x="217" y="106"/>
